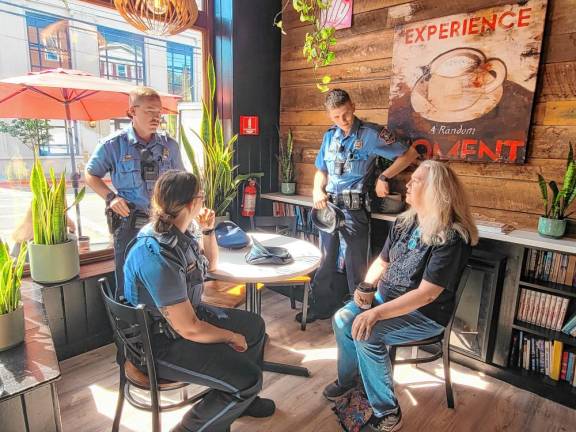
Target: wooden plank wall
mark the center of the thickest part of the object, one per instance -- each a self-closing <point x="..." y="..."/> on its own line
<point x="363" y="66"/>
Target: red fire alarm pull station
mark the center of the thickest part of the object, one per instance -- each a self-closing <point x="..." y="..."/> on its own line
<point x="249" y="125"/>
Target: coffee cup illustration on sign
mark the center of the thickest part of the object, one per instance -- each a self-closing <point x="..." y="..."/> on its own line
<point x="459" y="85"/>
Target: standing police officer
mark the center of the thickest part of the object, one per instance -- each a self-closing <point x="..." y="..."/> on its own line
<point x="135" y="157"/>
<point x="349" y="149"/>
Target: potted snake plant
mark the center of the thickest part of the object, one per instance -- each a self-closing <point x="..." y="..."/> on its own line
<point x="553" y="222"/>
<point x="11" y="310"/>
<point x="286" y="162"/>
<point x="219" y="175"/>
<point x="53" y="252"/>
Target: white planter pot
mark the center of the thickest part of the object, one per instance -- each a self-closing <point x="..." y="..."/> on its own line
<point x="11" y="329"/>
<point x="54" y="263"/>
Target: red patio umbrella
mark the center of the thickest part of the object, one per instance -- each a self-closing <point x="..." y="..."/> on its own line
<point x="68" y="95"/>
<point x="63" y="94"/>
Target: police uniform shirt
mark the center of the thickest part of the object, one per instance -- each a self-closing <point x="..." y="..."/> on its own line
<point x="119" y="155"/>
<point x="164" y="269"/>
<point x="357" y="152"/>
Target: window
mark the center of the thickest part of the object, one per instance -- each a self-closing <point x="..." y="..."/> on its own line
<point x="121" y="55"/>
<point x="56" y="146"/>
<point x="183" y="61"/>
<point x="52" y="56"/>
<point x="48" y="42"/>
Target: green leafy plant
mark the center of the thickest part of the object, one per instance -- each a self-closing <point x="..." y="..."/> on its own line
<point x="286" y="158"/>
<point x="218" y="172"/>
<point x="319" y="42"/>
<point x="10" y="278"/>
<point x="32" y="133"/>
<point x="556" y="204"/>
<point x="49" y="206"/>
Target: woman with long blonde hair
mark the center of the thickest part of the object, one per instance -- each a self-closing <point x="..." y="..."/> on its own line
<point x="416" y="275"/>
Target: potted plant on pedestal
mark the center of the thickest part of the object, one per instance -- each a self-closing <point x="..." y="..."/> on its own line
<point x="218" y="172"/>
<point x="286" y="161"/>
<point x="553" y="222"/>
<point x="11" y="310"/>
<point x="53" y="252"/>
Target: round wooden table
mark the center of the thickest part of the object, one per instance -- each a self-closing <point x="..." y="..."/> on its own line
<point x="232" y="267"/>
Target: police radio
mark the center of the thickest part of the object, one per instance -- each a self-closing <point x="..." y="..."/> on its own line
<point x="339" y="162"/>
<point x="148" y="166"/>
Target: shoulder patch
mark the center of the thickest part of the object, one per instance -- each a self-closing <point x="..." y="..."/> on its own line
<point x="387" y="136"/>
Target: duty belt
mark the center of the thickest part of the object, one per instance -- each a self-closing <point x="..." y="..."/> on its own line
<point x="349" y="200"/>
<point x="137" y="219"/>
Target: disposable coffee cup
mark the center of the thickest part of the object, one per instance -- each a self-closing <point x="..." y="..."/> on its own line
<point x="367" y="288"/>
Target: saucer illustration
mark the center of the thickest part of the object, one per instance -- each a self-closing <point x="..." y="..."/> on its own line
<point x="459" y="85"/>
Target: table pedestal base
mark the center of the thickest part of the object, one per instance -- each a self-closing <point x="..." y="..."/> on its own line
<point x="254" y="305"/>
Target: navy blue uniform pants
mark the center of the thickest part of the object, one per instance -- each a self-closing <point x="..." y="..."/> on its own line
<point x="329" y="288"/>
<point x="234" y="377"/>
<point x="123" y="235"/>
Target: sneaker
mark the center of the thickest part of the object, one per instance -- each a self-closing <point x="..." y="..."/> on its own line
<point x="311" y="317"/>
<point x="260" y="408"/>
<point x="388" y="423"/>
<point x="335" y="391"/>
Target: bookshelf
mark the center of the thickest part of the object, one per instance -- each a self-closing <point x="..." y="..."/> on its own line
<point x="544" y="332"/>
<point x="545" y="302"/>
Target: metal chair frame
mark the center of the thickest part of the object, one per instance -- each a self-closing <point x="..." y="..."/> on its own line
<point x="442" y="341"/>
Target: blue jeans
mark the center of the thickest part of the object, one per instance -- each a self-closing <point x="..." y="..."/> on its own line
<point x="369" y="358"/>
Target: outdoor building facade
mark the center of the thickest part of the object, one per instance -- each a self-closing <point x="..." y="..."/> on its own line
<point x="48" y="34"/>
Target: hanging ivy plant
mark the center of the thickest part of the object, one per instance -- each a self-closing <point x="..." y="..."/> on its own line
<point x="319" y="42"/>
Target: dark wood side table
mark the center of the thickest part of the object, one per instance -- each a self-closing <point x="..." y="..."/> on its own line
<point x="28" y="372"/>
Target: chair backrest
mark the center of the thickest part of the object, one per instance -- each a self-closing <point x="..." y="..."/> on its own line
<point x="457" y="296"/>
<point x="278" y="224"/>
<point x="131" y="327"/>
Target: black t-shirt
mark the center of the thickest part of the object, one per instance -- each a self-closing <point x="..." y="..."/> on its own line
<point x="410" y="261"/>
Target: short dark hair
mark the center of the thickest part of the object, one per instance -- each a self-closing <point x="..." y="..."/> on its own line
<point x="336" y="98"/>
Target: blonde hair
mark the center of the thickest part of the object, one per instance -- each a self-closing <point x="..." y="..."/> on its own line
<point x="446" y="207"/>
<point x="142" y="92"/>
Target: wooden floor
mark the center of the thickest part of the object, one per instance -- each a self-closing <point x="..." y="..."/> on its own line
<point x="89" y="382"/>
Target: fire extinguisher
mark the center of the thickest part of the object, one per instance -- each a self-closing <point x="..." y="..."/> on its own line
<point x="249" y="199"/>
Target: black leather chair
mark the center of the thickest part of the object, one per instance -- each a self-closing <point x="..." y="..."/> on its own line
<point x="286" y="225"/>
<point x="131" y="327"/>
<point x="438" y="345"/>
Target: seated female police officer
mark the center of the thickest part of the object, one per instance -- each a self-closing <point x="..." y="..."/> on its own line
<point x="219" y="348"/>
<point x="417" y="272"/>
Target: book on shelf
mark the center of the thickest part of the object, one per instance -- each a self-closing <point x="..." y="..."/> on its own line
<point x="493" y="226"/>
<point x="544" y="357"/>
<point x="549" y="266"/>
<point x="543" y="309"/>
<point x="570" y="326"/>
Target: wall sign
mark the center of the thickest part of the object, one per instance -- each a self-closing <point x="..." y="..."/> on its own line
<point x="338" y="15"/>
<point x="249" y="125"/>
<point x="463" y="85"/>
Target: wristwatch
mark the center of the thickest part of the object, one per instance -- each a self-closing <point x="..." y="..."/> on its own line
<point x="383" y="178"/>
<point x="109" y="197"/>
<point x="208" y="231"/>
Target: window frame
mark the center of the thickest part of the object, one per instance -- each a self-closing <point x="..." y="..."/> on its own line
<point x="109" y="64"/>
<point x="204" y="24"/>
<point x="38" y="51"/>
